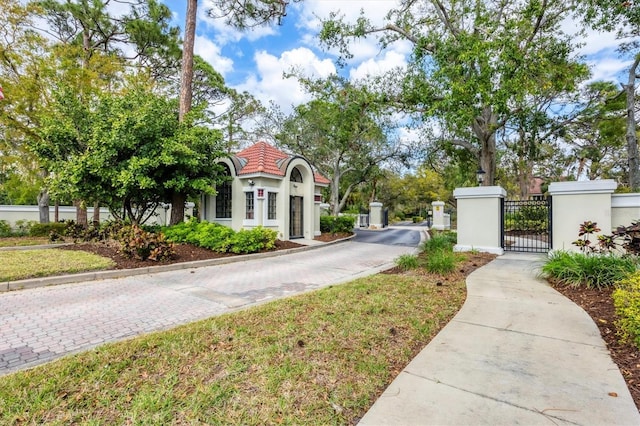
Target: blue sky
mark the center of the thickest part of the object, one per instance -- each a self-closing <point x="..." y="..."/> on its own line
<point x="254" y="60"/>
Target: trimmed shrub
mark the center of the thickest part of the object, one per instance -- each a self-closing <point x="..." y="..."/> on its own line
<point x="5" y="229"/>
<point x="333" y="225"/>
<point x="45" y="229"/>
<point x="417" y="219"/>
<point x="253" y="240"/>
<point x="626" y="299"/>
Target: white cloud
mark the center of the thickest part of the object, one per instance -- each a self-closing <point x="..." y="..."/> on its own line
<point x="210" y="52"/>
<point x="378" y="65"/>
<point x="225" y="34"/>
<point x="608" y="68"/>
<point x="268" y="84"/>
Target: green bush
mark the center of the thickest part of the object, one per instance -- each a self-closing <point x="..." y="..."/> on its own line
<point x="23" y="227"/>
<point x="589" y="270"/>
<point x="440" y="241"/>
<point x="5" y="229"/>
<point x="441" y="261"/>
<point x="626" y="299"/>
<point x="137" y="243"/>
<point x="407" y="261"/>
<point x="45" y="229"/>
<point x="253" y="240"/>
<point x="220" y="238"/>
<point x="332" y="224"/>
<point x="417" y="219"/>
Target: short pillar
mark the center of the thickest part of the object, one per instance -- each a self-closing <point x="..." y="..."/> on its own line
<point x="573" y="203"/>
<point x="317" y="210"/>
<point x="479" y="226"/>
<point x="438" y="216"/>
<point x="375" y="215"/>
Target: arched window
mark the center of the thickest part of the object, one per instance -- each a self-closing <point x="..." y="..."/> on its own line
<point x="296" y="176"/>
<point x="223" y="196"/>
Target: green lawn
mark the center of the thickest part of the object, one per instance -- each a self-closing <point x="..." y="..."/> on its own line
<point x="20" y="264"/>
<point x="23" y="241"/>
<point x="319" y="358"/>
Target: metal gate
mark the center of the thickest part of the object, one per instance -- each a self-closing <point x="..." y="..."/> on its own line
<point x="526" y="225"/>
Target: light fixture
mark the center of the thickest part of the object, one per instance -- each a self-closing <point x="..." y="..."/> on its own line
<point x="480" y="176"/>
<point x="251" y="182"/>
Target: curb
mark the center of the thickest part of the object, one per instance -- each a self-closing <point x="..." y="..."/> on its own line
<point x="121" y="273"/>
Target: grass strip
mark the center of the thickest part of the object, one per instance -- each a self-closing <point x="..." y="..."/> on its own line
<point x="23" y="241"/>
<point x="318" y="358"/>
<point x="21" y="264"/>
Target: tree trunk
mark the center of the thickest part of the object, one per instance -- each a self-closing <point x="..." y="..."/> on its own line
<point x="56" y="212"/>
<point x="177" y="208"/>
<point x="43" y="206"/>
<point x="484" y="127"/>
<point x="632" y="141"/>
<point x="96" y="213"/>
<point x="186" y="79"/>
<point x="81" y="213"/>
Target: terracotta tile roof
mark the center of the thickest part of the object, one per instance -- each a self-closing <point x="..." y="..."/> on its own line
<point x="318" y="178"/>
<point x="264" y="158"/>
<point x="261" y="158"/>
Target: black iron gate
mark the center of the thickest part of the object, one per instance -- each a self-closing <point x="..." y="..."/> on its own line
<point x="526" y="225"/>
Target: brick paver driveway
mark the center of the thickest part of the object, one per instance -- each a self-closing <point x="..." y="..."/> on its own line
<point x="42" y="324"/>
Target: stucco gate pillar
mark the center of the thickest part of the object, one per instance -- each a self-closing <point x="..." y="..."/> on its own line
<point x="479" y="218"/>
<point x="375" y="215"/>
<point x="437" y="207"/>
<point x="573" y="203"/>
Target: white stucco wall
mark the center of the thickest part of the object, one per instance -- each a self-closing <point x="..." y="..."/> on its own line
<point x="625" y="208"/>
<point x="479" y="218"/>
<point x="576" y="202"/>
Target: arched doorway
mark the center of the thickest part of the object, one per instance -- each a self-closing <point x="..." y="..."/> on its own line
<point x="296" y="211"/>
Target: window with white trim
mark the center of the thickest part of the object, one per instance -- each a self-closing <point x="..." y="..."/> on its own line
<point x="272" y="205"/>
<point x="250" y="205"/>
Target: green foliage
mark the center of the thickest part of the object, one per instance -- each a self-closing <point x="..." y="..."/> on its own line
<point x="439" y="252"/>
<point x="626" y="299"/>
<point x="530" y="219"/>
<point x="45" y="229"/>
<point x="22" y="227"/>
<point x="253" y="240"/>
<point x="589" y="270"/>
<point x="441" y="261"/>
<point x="216" y="237"/>
<point x="407" y="261"/>
<point x="333" y="224"/>
<point x="5" y="228"/>
<point x="417" y="219"/>
<point x="440" y="241"/>
<point x="137" y="243"/>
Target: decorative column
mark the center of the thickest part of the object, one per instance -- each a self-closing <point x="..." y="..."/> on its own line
<point x="317" y="206"/>
<point x="375" y="215"/>
<point x="573" y="203"/>
<point x="438" y="215"/>
<point x="479" y="218"/>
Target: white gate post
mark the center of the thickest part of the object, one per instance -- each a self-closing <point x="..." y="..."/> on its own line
<point x="438" y="215"/>
<point x="375" y="215"/>
<point x="479" y="218"/>
<point x="573" y="203"/>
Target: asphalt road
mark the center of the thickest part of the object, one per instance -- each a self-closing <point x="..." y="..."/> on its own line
<point x="409" y="236"/>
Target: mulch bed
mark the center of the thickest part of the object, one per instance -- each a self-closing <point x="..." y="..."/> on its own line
<point x="184" y="253"/>
<point x="599" y="305"/>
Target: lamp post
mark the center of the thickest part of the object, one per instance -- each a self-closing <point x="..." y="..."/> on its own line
<point x="480" y="176"/>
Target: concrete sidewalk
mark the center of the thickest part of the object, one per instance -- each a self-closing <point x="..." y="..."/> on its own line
<point x="518" y="352"/>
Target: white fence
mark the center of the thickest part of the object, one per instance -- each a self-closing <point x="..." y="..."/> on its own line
<point x="13" y="214"/>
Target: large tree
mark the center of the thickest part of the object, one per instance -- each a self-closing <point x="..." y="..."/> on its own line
<point x="473" y="64"/>
<point x="623" y="16"/>
<point x="343" y="133"/>
<point x="136" y="153"/>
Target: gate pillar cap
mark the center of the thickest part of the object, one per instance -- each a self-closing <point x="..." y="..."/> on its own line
<point x="605" y="186"/>
<point x="480" y="192"/>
